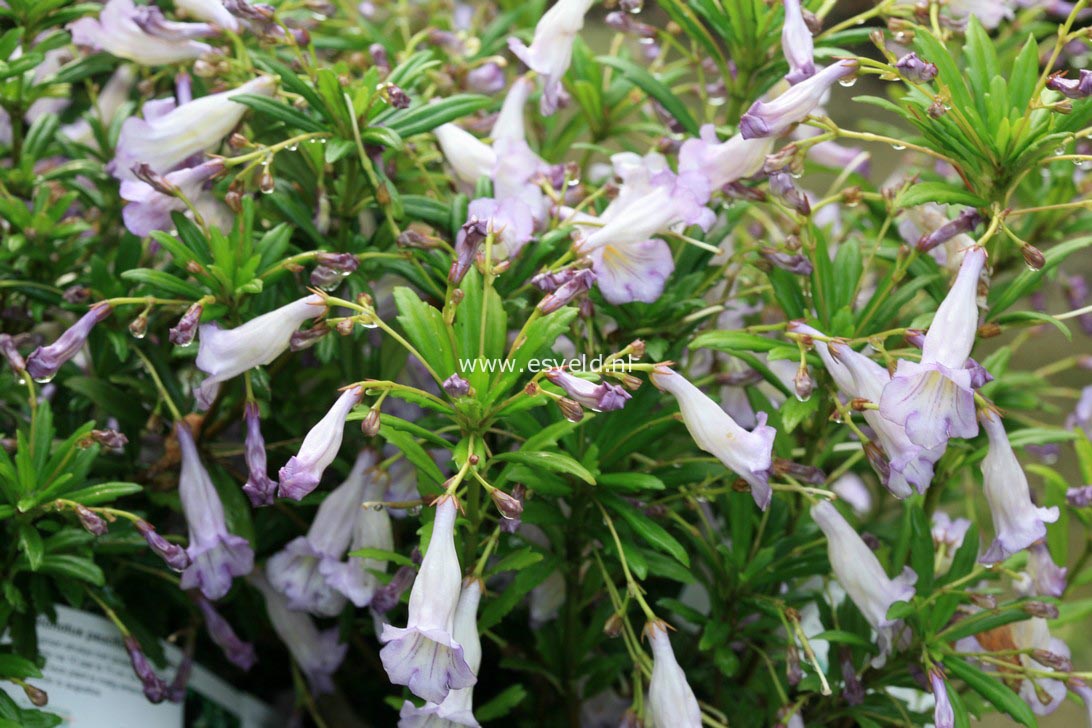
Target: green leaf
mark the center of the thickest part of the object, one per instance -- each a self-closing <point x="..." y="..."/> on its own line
<point x="942" y="192"/>
<point x="734" y="341"/>
<point x="555" y="461"/>
<point x="408" y="122"/>
<point x="645" y="527"/>
<point x="630" y="482"/>
<point x="413" y="452"/>
<point x="165" y="282"/>
<point x="502" y="704"/>
<point x="14" y="666"/>
<point x="995" y="692"/>
<point x="73" y="567"/>
<point x="280" y="111"/>
<point x="654" y="88"/>
<point x="30" y="543"/>
<point x="1003" y="296"/>
<point x="382" y="555"/>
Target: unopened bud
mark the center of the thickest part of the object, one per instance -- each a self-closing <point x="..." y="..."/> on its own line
<point x="915" y="337"/>
<point x="531" y="389"/>
<point x="92" y="522"/>
<point x="509" y="507"/>
<point x="76" y="294"/>
<point x="192" y="266"/>
<point x="793" y="673"/>
<point x="989" y="330"/>
<point x="571" y="409"/>
<point x="613" y="626"/>
<point x="172" y="554"/>
<point x="154" y="688"/>
<point x="37" y="697"/>
<point x="631" y="382"/>
<point x="1052" y="660"/>
<point x="797" y="263"/>
<point x="803" y="384"/>
<point x="805" y="473"/>
<point x="456" y="386"/>
<point x="1041" y="609"/>
<point x="371" y="423"/>
<point x="234" y="200"/>
<point x="109" y="438"/>
<point x="266" y="183"/>
<point x="878" y="460"/>
<point x="983" y="601"/>
<point x="396" y="97"/>
<point x="138" y="327"/>
<point x="387" y="597"/>
<point x="860" y="404"/>
<point x="11" y="353"/>
<point x="345" y="326"/>
<point x="183" y="333"/>
<point x="238" y="141"/>
<point x="1033" y="257"/>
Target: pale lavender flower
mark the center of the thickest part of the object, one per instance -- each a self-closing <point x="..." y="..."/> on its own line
<point x="947" y="532"/>
<point x="318" y="654"/>
<point x="237" y="651"/>
<point x="468" y="242"/>
<point x="424" y="655"/>
<point x="748" y="454"/>
<point x="797" y="44"/>
<point x="212" y="11"/>
<point x="722" y="163"/>
<point x="1034" y="635"/>
<point x="216" y="556"/>
<point x="671" y="701"/>
<point x="1017" y="522"/>
<point x="602" y="397"/>
<point x="943" y="715"/>
<point x="1080" y="497"/>
<point x="151" y="199"/>
<point x="915" y="69"/>
<point x="355" y="578"/>
<point x="551" y="49"/>
<point x="1047" y="578"/>
<point x="509" y="220"/>
<point x="168" y="136"/>
<point x="909" y="467"/>
<point x="302" y="472"/>
<point x="120" y="31"/>
<point x="862" y="576"/>
<point x="457" y="709"/>
<point x="227" y="353"/>
<point x="990" y="13"/>
<point x="933" y="399"/>
<point x="259" y="488"/>
<point x="1081" y="88"/>
<point x="299" y="571"/>
<point x="107" y="104"/>
<point x="772" y="118"/>
<point x="470" y="158"/>
<point x="1076" y="295"/>
<point x="387" y="596"/>
<point x="332" y="268"/>
<point x="1081" y="416"/>
<point x="851" y="489"/>
<point x="965" y="222"/>
<point x="44" y="362"/>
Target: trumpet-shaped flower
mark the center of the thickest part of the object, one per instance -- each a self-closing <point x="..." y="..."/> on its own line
<point x="107" y="104"/>
<point x="318" y="654"/>
<point x="239" y="653"/>
<point x="602" y="397"/>
<point x="259" y="488"/>
<point x="227" y="353"/>
<point x="723" y="162"/>
<point x="299" y="571"/>
<point x="150" y="205"/>
<point x="772" y="118"/>
<point x="168" y="138"/>
<point x="458" y="707"/>
<point x="1047" y="578"/>
<point x="212" y="11"/>
<point x="943" y="715"/>
<point x="44" y="362"/>
<point x="424" y="655"/>
<point x="551" y="49"/>
<point x="1017" y="522"/>
<point x="934" y="399"/>
<point x="671" y="701"/>
<point x="216" y="556"/>
<point x="748" y="454"/>
<point x="371" y="530"/>
<point x="302" y="472"/>
<point x="796" y="43"/>
<point x="470" y="158"/>
<point x="136" y="33"/>
<point x="862" y="576"/>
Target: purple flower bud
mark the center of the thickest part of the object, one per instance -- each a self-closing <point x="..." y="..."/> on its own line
<point x="510" y="507"/>
<point x="155" y="690"/>
<point x="853" y="691"/>
<point x="380" y="58"/>
<point x="915" y="69"/>
<point x="602" y="397"/>
<point x="44" y="362"/>
<point x="783" y="187"/>
<point x="239" y="653"/>
<point x="511" y="524"/>
<point x="965" y="222"/>
<point x="797" y="44"/>
<point x="1080" y="497"/>
<point x="91" y="521"/>
<point x="1079" y="89"/>
<point x="1041" y="609"/>
<point x="456" y="386"/>
<point x="1052" y="660"/>
<point x="176" y="691"/>
<point x="11" y="353"/>
<point x="798" y="264"/>
<point x="173" y="554"/>
<point x="259" y="486"/>
<point x="38" y="698"/>
<point x="306" y="338"/>
<point x="182" y="334"/>
<point x="943" y="715"/>
<point x="303" y="471"/>
<point x="387" y="596"/>
<point x="809" y="474"/>
<point x="111" y="439"/>
<point x="396" y="96"/>
<point x="467" y="243"/>
<point x="579" y="282"/>
<point x="487" y="78"/>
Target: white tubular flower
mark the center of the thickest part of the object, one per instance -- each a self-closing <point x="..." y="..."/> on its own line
<point x="1017" y="522"/>
<point x="748" y="454"/>
<point x="458" y="707"/>
<point x="772" y="118"/>
<point x="551" y="49"/>
<point x="120" y="31"/>
<point x="470" y="158"/>
<point x="424" y="655"/>
<point x="212" y="11"/>
<point x="796" y="43"/>
<point x="168" y="140"/>
<point x="303" y="471"/>
<point x="862" y="576"/>
<point x="371" y="529"/>
<point x="671" y="702"/>
<point x="227" y="353"/>
<point x="723" y="162"/>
